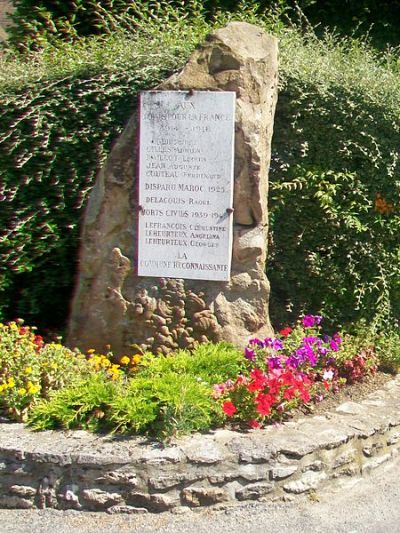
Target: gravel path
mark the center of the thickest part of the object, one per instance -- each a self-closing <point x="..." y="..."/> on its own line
<point x="369" y="505"/>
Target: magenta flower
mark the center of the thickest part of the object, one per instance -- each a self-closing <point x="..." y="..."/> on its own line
<point x="249" y="354"/>
<point x="335" y="347"/>
<point x="274" y="362"/>
<point x="257" y="342"/>
<point x="309" y="321"/>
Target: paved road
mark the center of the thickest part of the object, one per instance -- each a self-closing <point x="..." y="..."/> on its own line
<point x="371" y="505"/>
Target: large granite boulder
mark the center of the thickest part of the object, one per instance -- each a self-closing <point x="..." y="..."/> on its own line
<point x="112" y="305"/>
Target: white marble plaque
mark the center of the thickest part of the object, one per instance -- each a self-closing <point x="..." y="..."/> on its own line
<point x="186" y="184"/>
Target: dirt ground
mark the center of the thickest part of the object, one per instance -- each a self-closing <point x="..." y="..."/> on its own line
<point x="354" y="393"/>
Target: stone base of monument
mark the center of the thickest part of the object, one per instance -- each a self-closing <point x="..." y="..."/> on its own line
<point x="82" y="471"/>
<point x="116" y="303"/>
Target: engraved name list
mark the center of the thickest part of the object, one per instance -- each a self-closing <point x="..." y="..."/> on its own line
<point x="186" y="184"/>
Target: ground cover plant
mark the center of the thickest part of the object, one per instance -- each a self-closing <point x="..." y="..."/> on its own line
<point x="52" y="387"/>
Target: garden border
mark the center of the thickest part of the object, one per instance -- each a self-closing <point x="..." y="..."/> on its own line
<point x="82" y="471"/>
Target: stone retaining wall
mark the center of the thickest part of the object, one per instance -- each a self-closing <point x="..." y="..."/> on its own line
<point x="78" y="470"/>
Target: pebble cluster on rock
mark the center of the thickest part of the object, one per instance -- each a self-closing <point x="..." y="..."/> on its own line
<point x="82" y="471"/>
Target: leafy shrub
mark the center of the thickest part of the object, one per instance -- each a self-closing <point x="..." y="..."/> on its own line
<point x="209" y="362"/>
<point x="335" y="183"/>
<point x="334" y="172"/>
<point x="60" y="113"/>
<point x="167" y="396"/>
<point x="175" y="404"/>
<point x="84" y="404"/>
<point x="38" y="22"/>
<point x="387" y="347"/>
<point x="31" y="369"/>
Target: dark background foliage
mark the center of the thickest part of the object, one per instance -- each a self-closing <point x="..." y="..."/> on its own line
<point x="37" y="20"/>
<point x="335" y="149"/>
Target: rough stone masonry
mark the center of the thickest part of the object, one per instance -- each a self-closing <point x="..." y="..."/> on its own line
<point x="112" y="304"/>
<point x="81" y="471"/>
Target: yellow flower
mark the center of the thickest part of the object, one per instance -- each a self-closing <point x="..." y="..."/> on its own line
<point x="136" y="359"/>
<point x="28" y="370"/>
<point x="54" y="366"/>
<point x="125" y="360"/>
<point x="3" y="387"/>
<point x="91" y="350"/>
<point x="11" y="383"/>
<point x="32" y="389"/>
<point x="21" y="391"/>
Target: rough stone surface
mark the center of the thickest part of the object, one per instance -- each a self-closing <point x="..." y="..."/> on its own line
<point x="112" y="305"/>
<point x="309" y="481"/>
<point x="82" y="471"/>
<point x="198" y="496"/>
<point x="254" y="491"/>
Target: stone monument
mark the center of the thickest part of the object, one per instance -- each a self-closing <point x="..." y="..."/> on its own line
<point x="134" y="306"/>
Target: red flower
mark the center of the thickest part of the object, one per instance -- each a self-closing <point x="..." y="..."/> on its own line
<point x="305" y="396"/>
<point x="285" y="332"/>
<point x="229" y="409"/>
<point x="254" y="424"/>
<point x="260" y="380"/>
<point x="289" y="393"/>
<point x="38" y="341"/>
<point x="327" y="385"/>
<point x="264" y="403"/>
<point x="274" y="386"/>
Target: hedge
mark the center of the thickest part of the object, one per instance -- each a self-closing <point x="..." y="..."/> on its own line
<point x="334" y="172"/>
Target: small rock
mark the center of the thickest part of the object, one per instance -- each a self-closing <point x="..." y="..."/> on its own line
<point x="14" y="502"/>
<point x="282" y="472"/>
<point x="152" y="502"/>
<point x="198" y="496"/>
<point x="309" y="481"/>
<point x="374" y="463"/>
<point x="126" y="509"/>
<point x="23" y="490"/>
<point x="344" y="459"/>
<point x="254" y="491"/>
<point x="100" y="499"/>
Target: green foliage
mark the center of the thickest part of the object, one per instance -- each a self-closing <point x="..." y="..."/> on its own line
<point x="59" y="114"/>
<point x="169" y="396"/>
<point x="209" y="362"/>
<point x="39" y="22"/>
<point x="335" y="183"/>
<point x="387" y="347"/>
<point x="31" y="369"/>
<point x="334" y="247"/>
<point x="82" y="405"/>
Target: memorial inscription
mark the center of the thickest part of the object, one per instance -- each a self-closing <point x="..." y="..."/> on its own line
<point x="186" y="184"/>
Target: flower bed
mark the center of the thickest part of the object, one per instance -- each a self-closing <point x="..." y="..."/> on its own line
<point x="50" y="386"/>
<point x="300" y="366"/>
